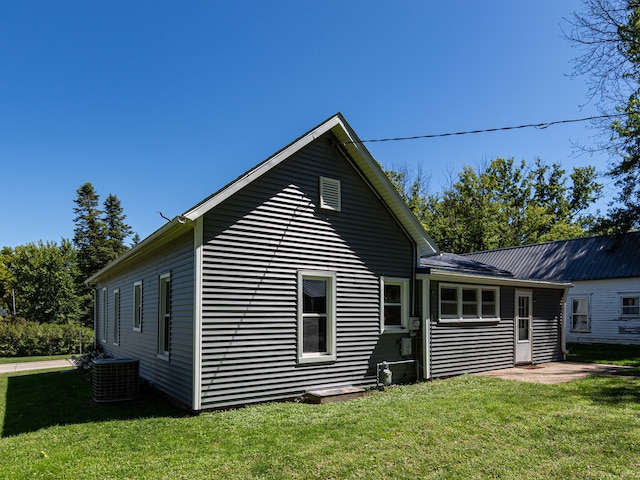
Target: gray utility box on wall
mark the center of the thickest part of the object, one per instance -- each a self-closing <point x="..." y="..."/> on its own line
<point x="114" y="379"/>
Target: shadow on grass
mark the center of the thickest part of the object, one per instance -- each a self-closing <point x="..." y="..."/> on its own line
<point x="611" y="391"/>
<point x="40" y="400"/>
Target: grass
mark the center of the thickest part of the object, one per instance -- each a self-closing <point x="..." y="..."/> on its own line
<point x="464" y="427"/>
<point x="5" y="360"/>
<point x="625" y="355"/>
<point x="628" y="355"/>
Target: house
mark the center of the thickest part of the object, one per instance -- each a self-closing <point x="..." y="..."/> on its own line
<point x="306" y="272"/>
<point x="603" y="306"/>
<point x="482" y="318"/>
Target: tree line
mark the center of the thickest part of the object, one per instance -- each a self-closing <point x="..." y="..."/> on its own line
<point x="44" y="281"/>
<point x="504" y="204"/>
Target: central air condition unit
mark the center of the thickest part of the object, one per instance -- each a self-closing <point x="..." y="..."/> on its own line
<point x="114" y="379"/>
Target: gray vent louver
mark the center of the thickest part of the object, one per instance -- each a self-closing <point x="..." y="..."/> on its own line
<point x="114" y="380"/>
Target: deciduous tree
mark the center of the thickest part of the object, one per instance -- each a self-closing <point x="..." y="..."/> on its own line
<point x="504" y="205"/>
<point x="44" y="279"/>
<point x="608" y="34"/>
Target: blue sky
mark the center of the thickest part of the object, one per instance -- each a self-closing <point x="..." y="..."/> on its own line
<point x="162" y="103"/>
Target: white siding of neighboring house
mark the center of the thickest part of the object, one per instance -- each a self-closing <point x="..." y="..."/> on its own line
<point x="607" y="325"/>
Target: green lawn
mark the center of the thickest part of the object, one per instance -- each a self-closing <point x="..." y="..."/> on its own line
<point x="464" y="427"/>
<point x="628" y="355"/>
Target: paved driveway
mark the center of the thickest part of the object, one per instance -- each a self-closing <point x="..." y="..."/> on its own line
<point x="553" y="372"/>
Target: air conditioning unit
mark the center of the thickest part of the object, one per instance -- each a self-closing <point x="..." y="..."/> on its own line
<point x="114" y="379"/>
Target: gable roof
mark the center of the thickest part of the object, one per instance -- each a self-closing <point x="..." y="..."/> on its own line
<point x="592" y="258"/>
<point x="352" y="149"/>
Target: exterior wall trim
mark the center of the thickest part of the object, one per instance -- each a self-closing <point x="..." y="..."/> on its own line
<point x="426" y="323"/>
<point x="197" y="315"/>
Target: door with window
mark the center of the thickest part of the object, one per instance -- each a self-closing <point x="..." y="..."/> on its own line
<point x="524" y="324"/>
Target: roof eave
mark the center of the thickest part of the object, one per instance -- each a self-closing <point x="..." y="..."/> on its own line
<point x="447" y="275"/>
<point x="156" y="239"/>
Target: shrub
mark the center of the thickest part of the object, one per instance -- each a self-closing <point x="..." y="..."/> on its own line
<point x="85" y="362"/>
<point x="20" y="338"/>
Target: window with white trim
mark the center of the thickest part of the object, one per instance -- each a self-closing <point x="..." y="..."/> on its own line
<point x="316" y="316"/>
<point x="395" y="304"/>
<point x="330" y="196"/>
<point x="164" y="314"/>
<point x="468" y="303"/>
<point x="116" y="316"/>
<point x="137" y="306"/>
<point x="580" y="314"/>
<point x="630" y="306"/>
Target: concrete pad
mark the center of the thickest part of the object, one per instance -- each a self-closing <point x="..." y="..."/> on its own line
<point x="26" y="366"/>
<point x="553" y="372"/>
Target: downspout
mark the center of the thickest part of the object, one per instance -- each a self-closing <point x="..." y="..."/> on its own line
<point x="414" y="256"/>
<point x="563" y="326"/>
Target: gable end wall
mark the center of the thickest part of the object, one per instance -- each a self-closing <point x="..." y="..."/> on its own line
<point x="255" y="243"/>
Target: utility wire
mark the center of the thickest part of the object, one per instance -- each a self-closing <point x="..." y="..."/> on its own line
<point x="539" y="126"/>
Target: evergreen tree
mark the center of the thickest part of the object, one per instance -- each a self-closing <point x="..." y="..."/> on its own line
<point x="99" y="237"/>
<point x="116" y="229"/>
<point x="90" y="233"/>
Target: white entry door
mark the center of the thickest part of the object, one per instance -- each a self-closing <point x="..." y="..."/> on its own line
<point x="524" y="324"/>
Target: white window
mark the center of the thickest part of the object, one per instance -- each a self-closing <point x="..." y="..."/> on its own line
<point x="630" y="306"/>
<point x="116" y="317"/>
<point x="164" y="314"/>
<point x="330" y="197"/>
<point x="395" y="304"/>
<point x="105" y="319"/>
<point x="468" y="303"/>
<point x="316" y="316"/>
<point x="137" y="306"/>
<point x="580" y="314"/>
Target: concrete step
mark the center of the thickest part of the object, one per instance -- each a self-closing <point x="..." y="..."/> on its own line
<point x="328" y="395"/>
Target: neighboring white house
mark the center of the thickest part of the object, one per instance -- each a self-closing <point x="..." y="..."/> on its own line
<point x="603" y="306"/>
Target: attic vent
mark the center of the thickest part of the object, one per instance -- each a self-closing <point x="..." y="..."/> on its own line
<point x="114" y="380"/>
<point x="330" y="194"/>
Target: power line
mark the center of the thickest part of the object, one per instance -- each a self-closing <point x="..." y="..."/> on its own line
<point x="539" y="126"/>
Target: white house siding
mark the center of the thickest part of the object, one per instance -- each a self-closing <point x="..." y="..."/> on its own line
<point x="177" y="258"/>
<point x="607" y="325"/>
<point x="256" y="241"/>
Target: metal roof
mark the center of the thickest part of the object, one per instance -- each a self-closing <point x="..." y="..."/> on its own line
<point x="458" y="263"/>
<point x="592" y="258"/>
